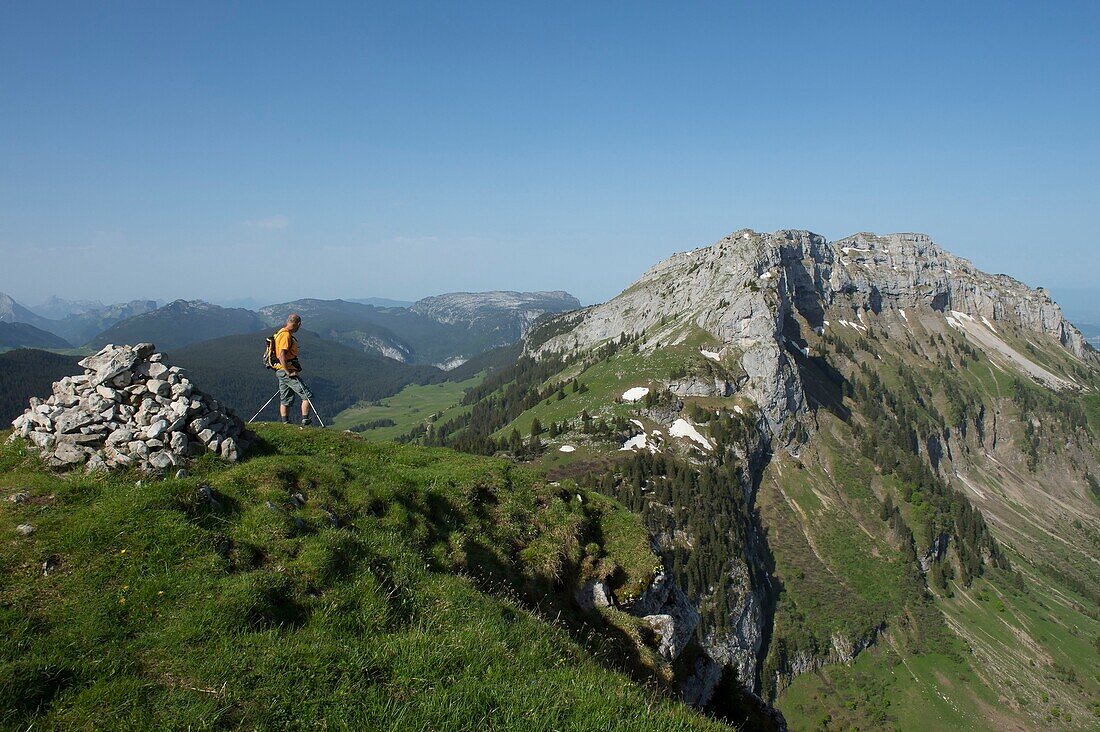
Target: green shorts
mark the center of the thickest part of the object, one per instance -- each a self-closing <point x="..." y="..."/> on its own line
<point x="291" y="385"/>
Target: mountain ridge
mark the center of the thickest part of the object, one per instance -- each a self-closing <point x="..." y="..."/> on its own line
<point x="891" y="417"/>
<point x="180" y="323"/>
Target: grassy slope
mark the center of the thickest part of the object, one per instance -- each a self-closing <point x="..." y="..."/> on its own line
<point x="411" y="406"/>
<point x="159" y="611"/>
<point x="842" y="575"/>
<point x="608" y="379"/>
<point x="1029" y="656"/>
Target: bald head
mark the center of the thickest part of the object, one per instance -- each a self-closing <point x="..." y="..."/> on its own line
<point x="293" y="322"/>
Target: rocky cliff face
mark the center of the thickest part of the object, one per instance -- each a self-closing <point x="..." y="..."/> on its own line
<point x="742" y="289"/>
<point x="898" y="271"/>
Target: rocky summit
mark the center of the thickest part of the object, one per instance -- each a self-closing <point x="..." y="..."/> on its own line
<point x="129" y="409"/>
<point x="747" y="288"/>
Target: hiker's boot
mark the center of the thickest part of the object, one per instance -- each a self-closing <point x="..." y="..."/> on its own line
<point x="286" y="419"/>
<point x="306" y="422"/>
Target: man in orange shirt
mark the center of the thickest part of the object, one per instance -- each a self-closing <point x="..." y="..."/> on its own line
<point x="288" y="370"/>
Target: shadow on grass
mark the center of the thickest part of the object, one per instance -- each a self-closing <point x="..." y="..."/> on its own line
<point x="549" y="599"/>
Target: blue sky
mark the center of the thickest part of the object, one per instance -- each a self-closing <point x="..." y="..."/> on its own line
<point x="224" y="150"/>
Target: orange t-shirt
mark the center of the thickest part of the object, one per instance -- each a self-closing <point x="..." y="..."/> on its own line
<point x="285" y="341"/>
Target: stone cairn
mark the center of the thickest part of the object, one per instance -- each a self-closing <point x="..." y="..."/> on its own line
<point x="129" y="409"/>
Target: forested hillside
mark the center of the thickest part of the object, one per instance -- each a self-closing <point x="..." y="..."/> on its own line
<point x="29" y="372"/>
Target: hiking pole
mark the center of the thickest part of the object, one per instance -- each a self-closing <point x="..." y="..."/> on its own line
<point x="257" y="414"/>
<point x="319" y="421"/>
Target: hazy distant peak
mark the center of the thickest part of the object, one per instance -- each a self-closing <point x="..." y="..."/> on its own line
<point x="56" y="307"/>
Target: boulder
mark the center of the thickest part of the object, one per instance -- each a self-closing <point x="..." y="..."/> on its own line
<point x="594" y="594"/>
<point x="158" y="387"/>
<point x="68" y="454"/>
<point x="109" y="363"/>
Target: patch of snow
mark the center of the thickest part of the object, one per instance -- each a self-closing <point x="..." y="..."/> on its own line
<point x="656" y="432"/>
<point x="737" y="408"/>
<point x="904" y="317"/>
<point x="712" y="355"/>
<point x="853" y="249"/>
<point x="639" y="424"/>
<point x="988" y="324"/>
<point x="766" y="276"/>
<point x="635" y="394"/>
<point x="826" y="323"/>
<point x="954" y="323"/>
<point x="962" y="316"/>
<point x="637" y="442"/>
<point x="860" y="316"/>
<point x="683" y="428"/>
<point x="950" y="272"/>
<point x="566" y="448"/>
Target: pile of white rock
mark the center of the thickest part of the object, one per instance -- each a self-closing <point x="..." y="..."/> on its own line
<point x="129" y="409"/>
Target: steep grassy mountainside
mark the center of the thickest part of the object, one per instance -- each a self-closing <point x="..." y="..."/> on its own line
<point x="28" y="372"/>
<point x="871" y="466"/>
<point x="179" y="324"/>
<point x="976" y="475"/>
<point x="230" y="370"/>
<point x="24" y="335"/>
<point x="323" y="582"/>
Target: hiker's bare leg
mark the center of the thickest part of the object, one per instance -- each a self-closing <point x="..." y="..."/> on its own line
<point x="282" y="410"/>
<point x="305" y="408"/>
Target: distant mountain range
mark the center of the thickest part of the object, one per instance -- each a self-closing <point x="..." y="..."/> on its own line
<point x="381" y="302"/>
<point x="444" y="330"/>
<point x="57" y="308"/>
<point x="13" y="312"/>
<point x="179" y="324"/>
<point x="74" y="321"/>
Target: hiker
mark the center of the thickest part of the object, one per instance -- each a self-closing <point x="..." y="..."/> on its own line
<point x="288" y="371"/>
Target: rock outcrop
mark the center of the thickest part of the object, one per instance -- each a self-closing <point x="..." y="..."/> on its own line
<point x="129" y="409"/>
